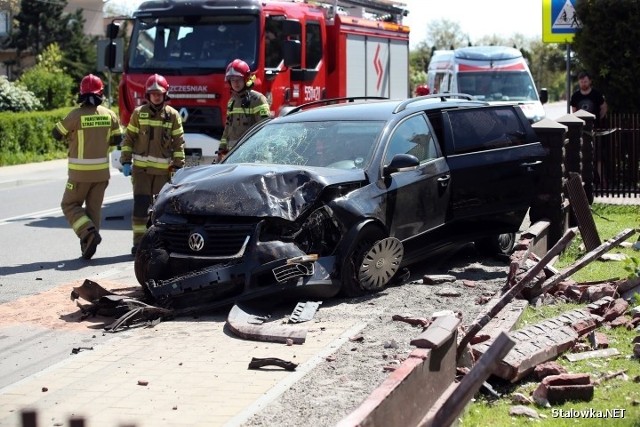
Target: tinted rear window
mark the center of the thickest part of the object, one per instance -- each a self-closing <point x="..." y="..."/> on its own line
<point x="485" y="129"/>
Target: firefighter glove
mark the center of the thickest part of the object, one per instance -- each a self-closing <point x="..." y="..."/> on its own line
<point x="126" y="169"/>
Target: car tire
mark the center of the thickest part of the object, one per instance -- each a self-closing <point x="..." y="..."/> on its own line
<point x="151" y="260"/>
<point x="501" y="244"/>
<point x="372" y="264"/>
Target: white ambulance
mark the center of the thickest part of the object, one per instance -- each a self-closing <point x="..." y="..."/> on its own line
<point x="496" y="74"/>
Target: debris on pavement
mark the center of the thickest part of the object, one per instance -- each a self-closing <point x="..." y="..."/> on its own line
<point x="258" y="363"/>
<point x="304" y="311"/>
<point x="77" y="350"/>
<point x="243" y="322"/>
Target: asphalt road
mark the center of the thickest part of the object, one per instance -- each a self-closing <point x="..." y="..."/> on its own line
<point x="40" y="250"/>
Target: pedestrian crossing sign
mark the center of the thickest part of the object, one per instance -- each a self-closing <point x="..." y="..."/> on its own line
<point x="559" y="21"/>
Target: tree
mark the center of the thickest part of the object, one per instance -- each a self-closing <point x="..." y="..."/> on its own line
<point x="48" y="79"/>
<point x="548" y="67"/>
<point x="80" y="53"/>
<point x="418" y="62"/>
<point x="41" y="23"/>
<point x="607" y="46"/>
<point x="445" y="34"/>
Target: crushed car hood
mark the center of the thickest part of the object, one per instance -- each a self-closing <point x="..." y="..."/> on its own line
<point x="249" y="190"/>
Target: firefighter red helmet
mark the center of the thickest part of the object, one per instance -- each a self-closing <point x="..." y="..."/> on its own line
<point x="239" y="68"/>
<point x="422" y="90"/>
<point x="91" y="84"/>
<point x="156" y="82"/>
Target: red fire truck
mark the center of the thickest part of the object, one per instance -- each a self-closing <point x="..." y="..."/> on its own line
<point x="299" y="51"/>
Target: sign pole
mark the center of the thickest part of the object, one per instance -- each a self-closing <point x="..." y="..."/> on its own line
<point x="568" y="78"/>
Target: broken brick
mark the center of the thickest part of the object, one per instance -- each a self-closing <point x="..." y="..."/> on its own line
<point x="619" y="321"/>
<point x="546" y="369"/>
<point x="596" y="292"/>
<point x="631" y="324"/>
<point x="584" y="326"/>
<point x="599" y="306"/>
<point x="602" y="341"/>
<point x="617" y="309"/>
<point x="564" y="387"/>
<point x="479" y="338"/>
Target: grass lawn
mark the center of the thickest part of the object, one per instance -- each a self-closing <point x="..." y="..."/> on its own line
<point x="613" y="398"/>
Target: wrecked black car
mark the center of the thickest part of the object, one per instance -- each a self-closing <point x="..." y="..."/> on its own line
<point x="339" y="198"/>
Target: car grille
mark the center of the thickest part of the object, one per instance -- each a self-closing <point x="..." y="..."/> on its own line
<point x="219" y="241"/>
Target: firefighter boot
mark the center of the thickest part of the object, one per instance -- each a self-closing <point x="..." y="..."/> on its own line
<point x="89" y="243"/>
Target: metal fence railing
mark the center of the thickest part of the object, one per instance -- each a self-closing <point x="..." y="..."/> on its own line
<point x="617" y="157"/>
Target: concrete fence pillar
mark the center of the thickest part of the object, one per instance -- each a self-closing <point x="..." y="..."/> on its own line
<point x="550" y="203"/>
<point x="587" y="153"/>
<point x="572" y="151"/>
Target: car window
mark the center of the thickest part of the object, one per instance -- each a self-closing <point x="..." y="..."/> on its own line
<point x="414" y="137"/>
<point x="337" y="144"/>
<point x="485" y="129"/>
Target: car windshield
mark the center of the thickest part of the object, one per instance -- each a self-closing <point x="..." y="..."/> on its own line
<point x="498" y="86"/>
<point x="336" y="144"/>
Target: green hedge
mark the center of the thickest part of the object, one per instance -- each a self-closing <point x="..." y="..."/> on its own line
<point x="26" y="137"/>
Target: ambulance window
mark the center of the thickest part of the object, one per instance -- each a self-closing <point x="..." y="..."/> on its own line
<point x="313" y="44"/>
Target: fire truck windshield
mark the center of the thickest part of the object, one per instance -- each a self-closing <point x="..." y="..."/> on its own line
<point x="174" y="45"/>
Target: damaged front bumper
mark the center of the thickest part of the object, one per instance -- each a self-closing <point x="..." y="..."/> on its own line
<point x="306" y="276"/>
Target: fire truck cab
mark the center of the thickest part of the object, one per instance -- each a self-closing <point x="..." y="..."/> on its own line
<point x="299" y="52"/>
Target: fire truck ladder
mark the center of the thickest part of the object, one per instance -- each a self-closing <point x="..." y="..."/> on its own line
<point x="376" y="7"/>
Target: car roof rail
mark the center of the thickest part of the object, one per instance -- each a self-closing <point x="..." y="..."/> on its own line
<point x="330" y="101"/>
<point x="443" y="97"/>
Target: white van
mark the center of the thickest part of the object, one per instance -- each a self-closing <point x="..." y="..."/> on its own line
<point x="496" y="74"/>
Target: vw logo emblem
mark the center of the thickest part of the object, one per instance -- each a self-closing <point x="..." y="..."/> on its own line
<point x="196" y="242"/>
<point x="184" y="114"/>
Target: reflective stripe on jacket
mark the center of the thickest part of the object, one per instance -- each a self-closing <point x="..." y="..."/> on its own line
<point x="89" y="130"/>
<point x="244" y="110"/>
<point x="154" y="139"/>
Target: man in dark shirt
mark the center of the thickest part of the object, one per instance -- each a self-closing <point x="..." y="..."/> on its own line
<point x="589" y="99"/>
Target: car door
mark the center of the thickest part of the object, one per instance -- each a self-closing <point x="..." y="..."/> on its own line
<point x="495" y="162"/>
<point x="417" y="199"/>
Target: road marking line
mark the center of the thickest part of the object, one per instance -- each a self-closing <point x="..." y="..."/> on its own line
<point x="58" y="211"/>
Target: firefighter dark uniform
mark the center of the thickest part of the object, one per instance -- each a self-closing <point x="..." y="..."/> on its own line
<point x="245" y="108"/>
<point x="90" y="130"/>
<point x="154" y="144"/>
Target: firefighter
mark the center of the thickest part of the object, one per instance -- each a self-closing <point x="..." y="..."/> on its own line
<point x="245" y="108"/>
<point x="154" y="144"/>
<point x="89" y="130"/>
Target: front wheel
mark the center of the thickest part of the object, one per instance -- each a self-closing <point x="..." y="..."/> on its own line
<point x="501" y="244"/>
<point x="372" y="264"/>
<point x="151" y="260"/>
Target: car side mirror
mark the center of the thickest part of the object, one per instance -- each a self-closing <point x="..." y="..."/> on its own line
<point x="401" y="163"/>
<point x="544" y="95"/>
